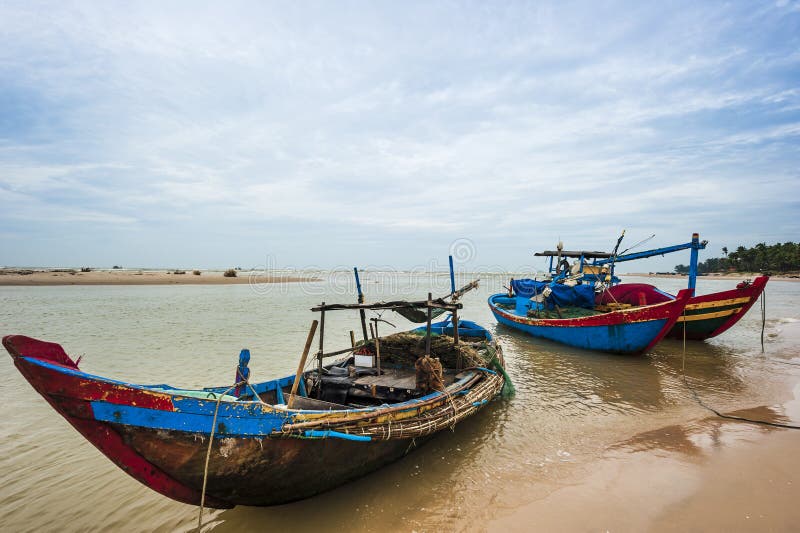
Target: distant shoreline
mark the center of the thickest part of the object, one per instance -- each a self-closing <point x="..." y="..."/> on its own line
<point x="32" y="278"/>
<point x="730" y="276"/>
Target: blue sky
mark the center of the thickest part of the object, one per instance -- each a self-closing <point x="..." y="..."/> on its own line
<point x="335" y="133"/>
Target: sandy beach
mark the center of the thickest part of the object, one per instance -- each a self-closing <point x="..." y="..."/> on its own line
<point x="20" y="277"/>
<point x="705" y="474"/>
<point x="748" y="485"/>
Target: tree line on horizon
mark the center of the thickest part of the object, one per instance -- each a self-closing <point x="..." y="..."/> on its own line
<point x="779" y="258"/>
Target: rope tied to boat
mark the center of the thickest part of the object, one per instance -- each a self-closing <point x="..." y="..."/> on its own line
<point x="211" y="441"/>
<point x="763" y="316"/>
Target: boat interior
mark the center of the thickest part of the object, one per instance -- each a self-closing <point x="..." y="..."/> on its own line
<point x="356" y="381"/>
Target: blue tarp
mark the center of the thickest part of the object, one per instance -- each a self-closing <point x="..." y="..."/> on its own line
<point x="562" y="295"/>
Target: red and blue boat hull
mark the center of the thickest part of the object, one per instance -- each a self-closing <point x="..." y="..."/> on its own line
<point x="629" y="331"/>
<point x="160" y="435"/>
<point x="709" y="315"/>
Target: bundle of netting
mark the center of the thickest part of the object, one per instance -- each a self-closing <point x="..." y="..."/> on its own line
<point x="405" y="348"/>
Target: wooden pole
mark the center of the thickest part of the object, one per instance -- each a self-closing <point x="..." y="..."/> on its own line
<point x="299" y="375"/>
<point x="371" y="330"/>
<point x="428" y="329"/>
<point x="352" y="339"/>
<point x="459" y="364"/>
<point x="377" y="347"/>
<point x="363" y="323"/>
<point x="455" y="328"/>
<point x="319" y="355"/>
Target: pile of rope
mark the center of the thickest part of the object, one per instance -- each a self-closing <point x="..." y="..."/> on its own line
<point x="429" y="375"/>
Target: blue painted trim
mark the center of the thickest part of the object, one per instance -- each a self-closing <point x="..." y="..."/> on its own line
<point x="358" y="282"/>
<point x="465" y="327"/>
<point x="693" y="262"/>
<point x="313" y="433"/>
<point x="452" y="276"/>
<point x="628" y="337"/>
<point x="227" y="426"/>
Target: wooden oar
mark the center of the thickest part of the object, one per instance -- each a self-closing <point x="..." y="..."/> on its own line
<point x="299" y="375"/>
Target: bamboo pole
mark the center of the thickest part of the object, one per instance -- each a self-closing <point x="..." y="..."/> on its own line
<point x="377" y="347"/>
<point x="371" y="330"/>
<point x="321" y="351"/>
<point x="386" y="410"/>
<point x="352" y="339"/>
<point x="459" y="363"/>
<point x="428" y="329"/>
<point x="299" y="375"/>
<point x="455" y="328"/>
<point x="400" y="304"/>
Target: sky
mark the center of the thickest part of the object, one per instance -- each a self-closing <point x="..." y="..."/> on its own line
<point x="330" y="134"/>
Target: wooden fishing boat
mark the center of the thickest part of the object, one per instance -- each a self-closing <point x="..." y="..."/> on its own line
<point x="285" y="439"/>
<point x="625" y="329"/>
<point x="706" y="316"/>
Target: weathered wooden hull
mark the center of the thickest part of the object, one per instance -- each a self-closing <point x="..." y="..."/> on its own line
<point x="629" y="331"/>
<point x="262" y="471"/>
<point x="711" y="314"/>
<point x="261" y="454"/>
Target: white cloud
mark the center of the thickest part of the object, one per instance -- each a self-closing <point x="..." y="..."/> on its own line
<point x="459" y="120"/>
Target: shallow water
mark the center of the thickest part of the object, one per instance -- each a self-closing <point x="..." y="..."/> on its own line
<point x="570" y="405"/>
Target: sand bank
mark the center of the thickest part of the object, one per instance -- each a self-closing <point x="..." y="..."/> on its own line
<point x="20" y="277"/>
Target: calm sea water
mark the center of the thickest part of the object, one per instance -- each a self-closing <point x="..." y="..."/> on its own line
<point x="569" y="407"/>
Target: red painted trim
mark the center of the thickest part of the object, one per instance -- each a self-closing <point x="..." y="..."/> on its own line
<point x="69" y="394"/>
<point x="753" y="291"/>
<point x="681" y="300"/>
<point x="51" y="381"/>
<point x="660" y="311"/>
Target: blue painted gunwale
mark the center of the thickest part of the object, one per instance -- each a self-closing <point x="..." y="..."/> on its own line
<point x="234" y="418"/>
<point x="627" y="331"/>
<point x="465" y="328"/>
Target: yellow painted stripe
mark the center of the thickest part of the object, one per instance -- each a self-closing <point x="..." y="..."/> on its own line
<point x="718" y="303"/>
<point x="690" y="318"/>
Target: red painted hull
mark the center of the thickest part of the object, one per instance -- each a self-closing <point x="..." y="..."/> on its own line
<point x="709" y="315"/>
<point x="70" y="395"/>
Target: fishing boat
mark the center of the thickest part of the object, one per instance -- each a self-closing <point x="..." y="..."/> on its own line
<point x="706" y="316"/>
<point x="570" y="315"/>
<point x="285" y="439"/>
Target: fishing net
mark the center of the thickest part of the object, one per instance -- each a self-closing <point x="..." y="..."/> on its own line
<point x="405" y="348"/>
<point x="563" y="312"/>
<point x="418" y="316"/>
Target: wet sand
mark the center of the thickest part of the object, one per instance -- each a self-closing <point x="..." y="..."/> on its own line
<point x="751" y="484"/>
<point x="707" y="474"/>
<point x="18" y="277"/>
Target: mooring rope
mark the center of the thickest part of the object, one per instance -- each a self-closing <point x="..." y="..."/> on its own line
<point x="704" y="405"/>
<point x="763" y="316"/>
<point x="208" y="452"/>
